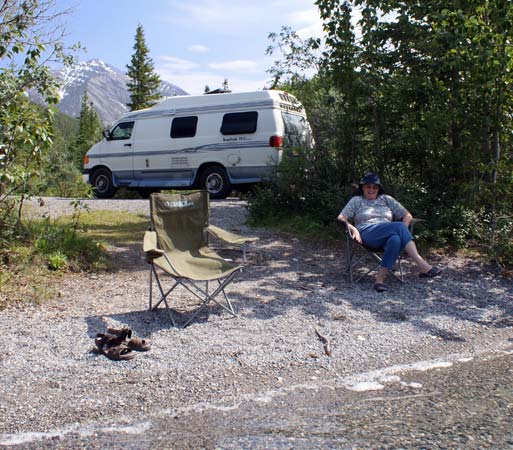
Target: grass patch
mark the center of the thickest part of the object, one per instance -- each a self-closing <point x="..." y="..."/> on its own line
<point x="34" y="259"/>
<point x="115" y="227"/>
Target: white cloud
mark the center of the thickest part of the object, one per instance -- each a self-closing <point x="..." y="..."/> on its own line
<point x="194" y="82"/>
<point x="306" y="22"/>
<point x="243" y="23"/>
<point x="221" y="15"/>
<point x="303" y="16"/>
<point x="314" y="30"/>
<point x="172" y="63"/>
<point x="198" y="48"/>
<point x="237" y="65"/>
<point x="242" y="75"/>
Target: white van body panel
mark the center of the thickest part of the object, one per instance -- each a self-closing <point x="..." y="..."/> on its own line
<point x="151" y="158"/>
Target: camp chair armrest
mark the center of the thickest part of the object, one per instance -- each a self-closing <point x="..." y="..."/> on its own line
<point x="150" y="245"/>
<point x="345" y="226"/>
<point x="229" y="237"/>
<point x="414" y="222"/>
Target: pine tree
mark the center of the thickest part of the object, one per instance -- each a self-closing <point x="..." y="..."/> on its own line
<point x="89" y="131"/>
<point x="144" y="83"/>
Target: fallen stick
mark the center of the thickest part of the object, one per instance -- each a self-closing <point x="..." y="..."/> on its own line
<point x="325" y="341"/>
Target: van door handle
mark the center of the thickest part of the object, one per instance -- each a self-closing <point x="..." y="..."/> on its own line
<point x="127" y="145"/>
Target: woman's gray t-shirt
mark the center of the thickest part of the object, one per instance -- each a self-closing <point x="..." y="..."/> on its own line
<point x="366" y="212"/>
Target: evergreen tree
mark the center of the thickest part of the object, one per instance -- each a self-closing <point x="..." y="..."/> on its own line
<point x="89" y="131"/>
<point x="144" y="83"/>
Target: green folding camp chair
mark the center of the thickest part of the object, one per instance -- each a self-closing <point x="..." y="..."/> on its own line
<point x="177" y="246"/>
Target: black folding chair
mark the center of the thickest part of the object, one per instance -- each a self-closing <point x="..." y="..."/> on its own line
<point x="358" y="255"/>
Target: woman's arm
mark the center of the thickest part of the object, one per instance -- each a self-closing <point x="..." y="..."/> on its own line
<point x="407" y="218"/>
<point x="353" y="231"/>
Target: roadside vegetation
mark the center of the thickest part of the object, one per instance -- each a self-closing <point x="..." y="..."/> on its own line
<point x="41" y="154"/>
<point x="418" y="92"/>
<point x="33" y="261"/>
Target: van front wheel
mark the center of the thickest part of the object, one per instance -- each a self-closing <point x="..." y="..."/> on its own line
<point x="215" y="181"/>
<point x="102" y="184"/>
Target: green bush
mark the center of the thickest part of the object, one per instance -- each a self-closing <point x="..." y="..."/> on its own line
<point x="64" y="245"/>
<point x="301" y="195"/>
<point x="57" y="261"/>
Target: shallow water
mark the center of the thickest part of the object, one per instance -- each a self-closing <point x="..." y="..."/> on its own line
<point x="468" y="404"/>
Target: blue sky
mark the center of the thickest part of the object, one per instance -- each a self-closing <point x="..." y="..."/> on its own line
<point x="192" y="43"/>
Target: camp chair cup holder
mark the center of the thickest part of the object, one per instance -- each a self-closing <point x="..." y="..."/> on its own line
<point x="177" y="248"/>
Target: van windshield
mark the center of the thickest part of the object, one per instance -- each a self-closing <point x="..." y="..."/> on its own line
<point x="297" y="131"/>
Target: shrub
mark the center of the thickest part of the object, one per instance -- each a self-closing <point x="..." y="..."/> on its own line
<point x="57" y="261"/>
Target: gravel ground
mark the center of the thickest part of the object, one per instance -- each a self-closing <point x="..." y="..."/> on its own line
<point x="52" y="384"/>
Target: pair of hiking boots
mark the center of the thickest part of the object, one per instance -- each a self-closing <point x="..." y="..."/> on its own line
<point x="119" y="345"/>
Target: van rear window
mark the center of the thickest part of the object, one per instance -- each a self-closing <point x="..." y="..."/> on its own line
<point x="239" y="123"/>
<point x="297" y="131"/>
<point x="183" y="127"/>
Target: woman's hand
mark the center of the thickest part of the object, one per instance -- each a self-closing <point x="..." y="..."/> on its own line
<point x="353" y="231"/>
<point x="355" y="234"/>
<point x="407" y="218"/>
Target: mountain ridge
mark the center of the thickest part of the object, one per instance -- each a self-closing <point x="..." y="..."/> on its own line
<point x="106" y="88"/>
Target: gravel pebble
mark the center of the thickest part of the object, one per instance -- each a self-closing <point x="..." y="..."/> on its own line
<point x="51" y="379"/>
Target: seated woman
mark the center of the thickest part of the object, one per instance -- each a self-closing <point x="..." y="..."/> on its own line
<point x="373" y="212"/>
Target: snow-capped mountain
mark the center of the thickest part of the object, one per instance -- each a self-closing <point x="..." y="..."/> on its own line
<point x="106" y="88"/>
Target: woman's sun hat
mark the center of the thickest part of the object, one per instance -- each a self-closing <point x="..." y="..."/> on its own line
<point x="371" y="178"/>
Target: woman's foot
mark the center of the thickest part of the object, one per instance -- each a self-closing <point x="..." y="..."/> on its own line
<point x="431" y="273"/>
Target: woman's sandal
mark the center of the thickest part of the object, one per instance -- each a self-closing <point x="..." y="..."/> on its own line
<point x="119" y="353"/>
<point x="135" y="343"/>
<point x="103" y="341"/>
<point x="380" y="287"/>
<point x="138" y="344"/>
<point x="121" y="332"/>
<point x="431" y="273"/>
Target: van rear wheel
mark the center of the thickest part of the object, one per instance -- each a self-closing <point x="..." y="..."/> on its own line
<point x="215" y="181"/>
<point x="103" y="187"/>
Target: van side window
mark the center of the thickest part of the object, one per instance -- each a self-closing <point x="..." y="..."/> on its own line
<point x="183" y="127"/>
<point x="123" y="130"/>
<point x="239" y="123"/>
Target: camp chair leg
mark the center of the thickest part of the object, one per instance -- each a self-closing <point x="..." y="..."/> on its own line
<point x="350" y="255"/>
<point x="353" y="261"/>
<point x="399" y="277"/>
<point x="227" y="300"/>
<point x="163" y="296"/>
<point x="151" y="285"/>
<point x="211" y="297"/>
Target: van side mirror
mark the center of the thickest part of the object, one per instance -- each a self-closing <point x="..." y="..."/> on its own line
<point x="106" y="134"/>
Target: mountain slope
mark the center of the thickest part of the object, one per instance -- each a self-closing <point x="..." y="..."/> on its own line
<point x="106" y="88"/>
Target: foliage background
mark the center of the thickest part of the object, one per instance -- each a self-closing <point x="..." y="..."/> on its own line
<point x="419" y="92"/>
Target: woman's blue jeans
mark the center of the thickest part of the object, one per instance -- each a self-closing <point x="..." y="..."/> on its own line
<point x="392" y="237"/>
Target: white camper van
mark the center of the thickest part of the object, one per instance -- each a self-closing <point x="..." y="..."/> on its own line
<point x="213" y="141"/>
